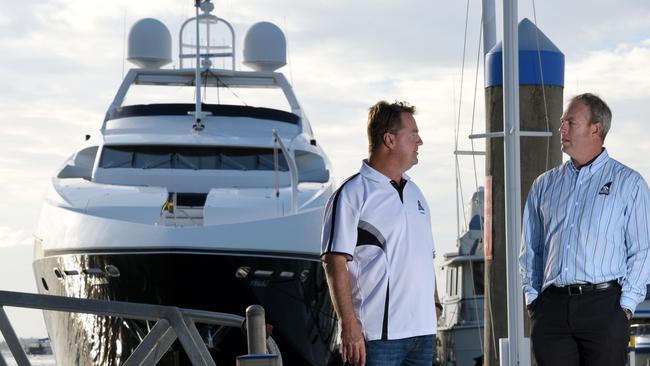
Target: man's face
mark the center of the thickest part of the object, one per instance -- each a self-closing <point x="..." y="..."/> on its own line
<point x="407" y="141"/>
<point x="578" y="134"/>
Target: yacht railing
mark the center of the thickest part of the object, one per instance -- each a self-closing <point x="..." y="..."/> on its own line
<point x="293" y="171"/>
<point x="171" y="323"/>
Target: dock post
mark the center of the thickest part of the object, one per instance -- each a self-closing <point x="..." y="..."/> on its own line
<point x="256" y="330"/>
<point x="256" y="336"/>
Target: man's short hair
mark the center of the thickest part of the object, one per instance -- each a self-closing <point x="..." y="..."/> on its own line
<point x="385" y="117"/>
<point x="599" y="110"/>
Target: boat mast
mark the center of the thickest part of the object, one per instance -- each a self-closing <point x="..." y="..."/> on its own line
<point x="488" y="19"/>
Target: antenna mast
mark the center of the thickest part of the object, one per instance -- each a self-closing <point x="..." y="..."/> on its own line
<point x="198" y="114"/>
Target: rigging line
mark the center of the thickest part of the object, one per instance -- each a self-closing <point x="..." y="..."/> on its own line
<point x="460" y="103"/>
<point x="460" y="189"/>
<point x="226" y="85"/>
<point x="462" y="75"/>
<point x="453" y="108"/>
<point x="478" y="62"/>
<point x="541" y="72"/>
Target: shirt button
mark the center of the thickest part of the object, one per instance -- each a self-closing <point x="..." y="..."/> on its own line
<point x="566" y="269"/>
<point x="571" y="225"/>
<point x="576" y="203"/>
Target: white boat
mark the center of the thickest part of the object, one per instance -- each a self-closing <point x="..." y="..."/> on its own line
<point x="204" y="205"/>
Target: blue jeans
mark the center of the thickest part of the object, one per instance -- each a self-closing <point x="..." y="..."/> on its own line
<point x="414" y="351"/>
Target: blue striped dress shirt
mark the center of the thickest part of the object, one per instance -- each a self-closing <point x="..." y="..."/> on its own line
<point x="587" y="226"/>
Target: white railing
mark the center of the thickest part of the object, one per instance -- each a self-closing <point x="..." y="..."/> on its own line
<point x="171" y="323"/>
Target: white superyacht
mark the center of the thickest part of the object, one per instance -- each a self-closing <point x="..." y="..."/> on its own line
<point x="196" y="204"/>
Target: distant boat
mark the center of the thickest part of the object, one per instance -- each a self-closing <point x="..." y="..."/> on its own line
<point x="460" y="328"/>
<point x="40" y="347"/>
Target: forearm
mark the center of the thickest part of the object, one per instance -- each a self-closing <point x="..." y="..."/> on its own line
<point x="339" y="286"/>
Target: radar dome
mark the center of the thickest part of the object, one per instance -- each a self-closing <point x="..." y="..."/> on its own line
<point x="265" y="48"/>
<point x="150" y="43"/>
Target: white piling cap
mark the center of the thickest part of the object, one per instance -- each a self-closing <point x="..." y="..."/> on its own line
<point x="150" y="44"/>
<point x="265" y="48"/>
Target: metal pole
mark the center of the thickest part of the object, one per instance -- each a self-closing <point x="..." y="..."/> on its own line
<point x="489" y="26"/>
<point x="256" y="330"/>
<point x="12" y="340"/>
<point x="2" y="360"/>
<point x="512" y="179"/>
<point x="198" y="125"/>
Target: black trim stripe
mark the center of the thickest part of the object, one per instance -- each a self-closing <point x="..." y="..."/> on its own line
<point x="384" y="327"/>
<point x="348" y="256"/>
<point x="181" y="109"/>
<point x="179" y="250"/>
<point x="365" y="237"/>
<point x="335" y="201"/>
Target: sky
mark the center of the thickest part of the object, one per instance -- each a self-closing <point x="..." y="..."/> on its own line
<point x="62" y="61"/>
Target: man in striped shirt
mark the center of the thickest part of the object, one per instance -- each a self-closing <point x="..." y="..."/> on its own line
<point x="585" y="257"/>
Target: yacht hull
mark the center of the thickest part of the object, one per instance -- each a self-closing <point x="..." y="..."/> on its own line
<point x="292" y="289"/>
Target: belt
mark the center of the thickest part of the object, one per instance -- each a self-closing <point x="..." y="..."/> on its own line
<point x="582" y="288"/>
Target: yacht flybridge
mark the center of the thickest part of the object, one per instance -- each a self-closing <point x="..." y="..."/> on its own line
<point x="192" y="203"/>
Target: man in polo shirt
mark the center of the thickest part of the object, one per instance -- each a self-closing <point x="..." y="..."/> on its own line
<point x="377" y="250"/>
<point x="585" y="256"/>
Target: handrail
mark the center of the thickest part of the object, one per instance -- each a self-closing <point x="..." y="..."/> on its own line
<point x="293" y="171"/>
<point x="171" y="323"/>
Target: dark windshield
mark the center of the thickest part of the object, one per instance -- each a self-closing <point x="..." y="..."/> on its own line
<point x="191" y="157"/>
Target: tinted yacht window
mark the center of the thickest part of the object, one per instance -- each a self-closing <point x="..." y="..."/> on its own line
<point x="190" y="157"/>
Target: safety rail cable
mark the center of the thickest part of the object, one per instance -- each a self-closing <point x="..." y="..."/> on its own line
<point x="171" y="323"/>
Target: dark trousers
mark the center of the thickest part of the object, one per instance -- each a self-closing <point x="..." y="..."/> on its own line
<point x="589" y="329"/>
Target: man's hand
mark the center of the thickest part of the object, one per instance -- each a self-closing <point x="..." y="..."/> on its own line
<point x="353" y="348"/>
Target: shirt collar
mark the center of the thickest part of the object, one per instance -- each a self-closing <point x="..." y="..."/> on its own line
<point x="372" y="174"/>
<point x="594" y="166"/>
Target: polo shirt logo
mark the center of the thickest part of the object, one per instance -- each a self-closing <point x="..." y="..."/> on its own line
<point x="605" y="189"/>
<point x="420" y="208"/>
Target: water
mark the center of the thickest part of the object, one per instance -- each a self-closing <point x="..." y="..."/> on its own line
<point x="40" y="360"/>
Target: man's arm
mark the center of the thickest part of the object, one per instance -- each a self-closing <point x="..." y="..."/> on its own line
<point x="637" y="243"/>
<point x="353" y="347"/>
<point x="532" y="244"/>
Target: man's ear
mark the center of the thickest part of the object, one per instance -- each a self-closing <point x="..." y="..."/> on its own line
<point x="597" y="128"/>
<point x="389" y="140"/>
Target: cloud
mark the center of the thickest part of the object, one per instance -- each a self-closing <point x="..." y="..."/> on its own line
<point x="11" y="237"/>
<point x="620" y="73"/>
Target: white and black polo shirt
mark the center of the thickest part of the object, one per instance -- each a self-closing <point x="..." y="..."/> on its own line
<point x="384" y="228"/>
